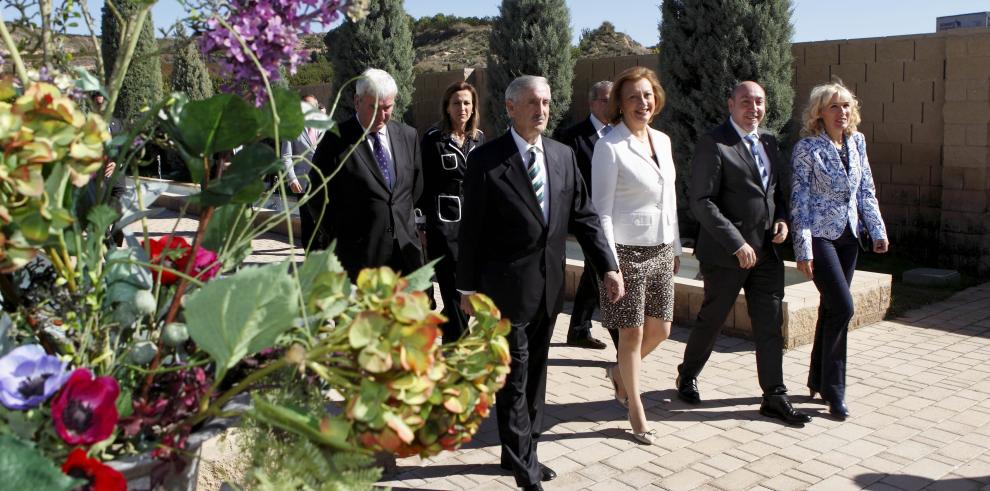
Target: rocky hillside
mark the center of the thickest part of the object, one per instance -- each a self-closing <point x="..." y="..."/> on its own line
<point x="605" y="41"/>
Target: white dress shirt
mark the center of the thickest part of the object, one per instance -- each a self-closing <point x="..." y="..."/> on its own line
<point x="756" y="133"/>
<point x="541" y="162"/>
<point x="599" y="126"/>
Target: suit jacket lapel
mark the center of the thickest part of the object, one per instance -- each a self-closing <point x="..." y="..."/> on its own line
<point x="516" y="177"/>
<point x="555" y="174"/>
<point x="362" y="152"/>
<point x="400" y="156"/>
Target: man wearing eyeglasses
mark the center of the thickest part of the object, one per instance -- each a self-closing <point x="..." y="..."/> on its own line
<point x="582" y="138"/>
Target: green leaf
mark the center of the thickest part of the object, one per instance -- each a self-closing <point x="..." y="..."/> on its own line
<point x="422" y="278"/>
<point x="121" y="270"/>
<point x="324" y="283"/>
<point x="367" y="326"/>
<point x="24" y="467"/>
<point x="330" y="432"/>
<point x="229" y="221"/>
<point x="219" y="123"/>
<point x="239" y="315"/>
<point x="290" y="116"/>
<point x="6" y="343"/>
<point x="242" y="181"/>
<point x="87" y="82"/>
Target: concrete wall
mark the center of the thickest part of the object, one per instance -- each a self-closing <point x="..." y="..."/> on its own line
<point x="926" y="116"/>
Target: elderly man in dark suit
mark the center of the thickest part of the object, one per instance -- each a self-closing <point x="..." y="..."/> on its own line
<point x="738" y="201"/>
<point x="582" y="138"/>
<point x="523" y="195"/>
<point x="370" y="208"/>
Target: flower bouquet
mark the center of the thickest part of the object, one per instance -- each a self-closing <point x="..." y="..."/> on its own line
<point x="108" y="351"/>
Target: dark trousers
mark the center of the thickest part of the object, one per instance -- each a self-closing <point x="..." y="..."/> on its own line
<point x="457" y="320"/>
<point x="519" y="404"/>
<point x="834" y="264"/>
<point x="307" y="225"/>
<point x="585" y="303"/>
<point x="764" y="286"/>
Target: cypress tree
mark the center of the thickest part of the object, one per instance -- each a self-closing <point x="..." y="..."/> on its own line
<point x="381" y="40"/>
<point x="189" y="74"/>
<point x="143" y="83"/>
<point x="706" y="47"/>
<point x="530" y="37"/>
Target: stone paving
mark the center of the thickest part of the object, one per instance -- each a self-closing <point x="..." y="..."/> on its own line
<point x="919" y="396"/>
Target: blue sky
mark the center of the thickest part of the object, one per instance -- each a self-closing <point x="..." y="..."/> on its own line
<point x="814" y="20"/>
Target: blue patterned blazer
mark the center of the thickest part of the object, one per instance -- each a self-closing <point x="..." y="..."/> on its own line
<point x="824" y="197"/>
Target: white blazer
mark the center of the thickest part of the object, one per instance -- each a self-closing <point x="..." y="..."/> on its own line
<point x="635" y="198"/>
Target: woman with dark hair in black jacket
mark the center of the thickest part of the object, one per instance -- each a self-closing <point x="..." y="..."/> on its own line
<point x="445" y="149"/>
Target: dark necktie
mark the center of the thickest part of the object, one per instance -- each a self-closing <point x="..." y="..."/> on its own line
<point x="382" y="159"/>
<point x="764" y="175"/>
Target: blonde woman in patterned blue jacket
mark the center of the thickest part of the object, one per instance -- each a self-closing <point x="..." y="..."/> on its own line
<point x="833" y="202"/>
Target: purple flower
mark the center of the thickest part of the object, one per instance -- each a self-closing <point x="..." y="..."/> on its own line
<point x="270" y="29"/>
<point x="28" y="376"/>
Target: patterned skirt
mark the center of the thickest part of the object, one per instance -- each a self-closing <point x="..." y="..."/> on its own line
<point x="648" y="277"/>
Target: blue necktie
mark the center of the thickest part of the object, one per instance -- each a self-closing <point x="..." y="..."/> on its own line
<point x="606" y="129"/>
<point x="764" y="175"/>
<point x="382" y="159"/>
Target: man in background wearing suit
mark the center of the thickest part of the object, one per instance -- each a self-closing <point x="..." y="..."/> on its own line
<point x="297" y="160"/>
<point x="582" y="138"/>
<point x="737" y="199"/>
<point x="523" y="195"/>
<point x="370" y="208"/>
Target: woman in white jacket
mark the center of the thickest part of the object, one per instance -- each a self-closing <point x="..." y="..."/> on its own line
<point x="632" y="173"/>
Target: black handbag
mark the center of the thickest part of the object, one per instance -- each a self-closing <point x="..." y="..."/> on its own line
<point x="863" y="235"/>
<point x="864" y="238"/>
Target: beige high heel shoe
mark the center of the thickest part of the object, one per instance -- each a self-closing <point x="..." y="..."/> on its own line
<point x="615" y="386"/>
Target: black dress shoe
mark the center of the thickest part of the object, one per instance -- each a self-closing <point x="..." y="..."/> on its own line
<point x="687" y="390"/>
<point x="838" y="410"/>
<point x="546" y="473"/>
<point x="533" y="487"/>
<point x="777" y="406"/>
<point x="586" y="342"/>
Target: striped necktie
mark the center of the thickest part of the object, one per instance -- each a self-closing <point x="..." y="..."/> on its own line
<point x="764" y="176"/>
<point x="533" y="169"/>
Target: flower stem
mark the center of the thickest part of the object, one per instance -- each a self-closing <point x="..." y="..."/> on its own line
<point x="15" y="55"/>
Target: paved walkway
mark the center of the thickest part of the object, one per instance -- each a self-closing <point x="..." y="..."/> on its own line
<point x="919" y="396"/>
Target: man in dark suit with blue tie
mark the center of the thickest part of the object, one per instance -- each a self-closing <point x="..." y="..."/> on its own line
<point x="523" y="194"/>
<point x="737" y="199"/>
<point x="582" y="138"/>
<point x="370" y="210"/>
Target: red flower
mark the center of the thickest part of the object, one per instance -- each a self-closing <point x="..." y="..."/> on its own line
<point x="175" y="253"/>
<point x="170" y="252"/>
<point x="99" y="477"/>
<point x="85" y="412"/>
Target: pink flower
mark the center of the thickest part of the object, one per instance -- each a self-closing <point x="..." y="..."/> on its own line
<point x="205" y="265"/>
<point x="85" y="412"/>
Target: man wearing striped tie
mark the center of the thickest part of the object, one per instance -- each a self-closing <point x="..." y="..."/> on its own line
<point x="737" y="199"/>
<point x="523" y="194"/>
